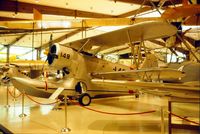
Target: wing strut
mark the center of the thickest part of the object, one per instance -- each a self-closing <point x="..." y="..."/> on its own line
<point x="56" y="93"/>
<point x="81" y="48"/>
<point x="139" y="51"/>
<point x="132" y="46"/>
<point x="188" y="47"/>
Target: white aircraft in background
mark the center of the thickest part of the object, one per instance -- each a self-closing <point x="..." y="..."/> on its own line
<point x="85" y="75"/>
<point x="22" y="68"/>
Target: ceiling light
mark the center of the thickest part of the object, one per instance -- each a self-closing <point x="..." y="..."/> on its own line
<point x="36" y="1"/>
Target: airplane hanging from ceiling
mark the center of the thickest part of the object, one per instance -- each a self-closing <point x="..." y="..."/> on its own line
<point x="83" y="72"/>
<point x="186" y="14"/>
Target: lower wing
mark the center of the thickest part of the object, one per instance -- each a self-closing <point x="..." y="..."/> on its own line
<point x="168" y="89"/>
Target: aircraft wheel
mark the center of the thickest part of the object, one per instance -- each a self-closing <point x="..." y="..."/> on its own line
<point x="137" y="95"/>
<point x="84" y="99"/>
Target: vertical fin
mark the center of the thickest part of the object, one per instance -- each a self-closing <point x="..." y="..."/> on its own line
<point x="150" y="61"/>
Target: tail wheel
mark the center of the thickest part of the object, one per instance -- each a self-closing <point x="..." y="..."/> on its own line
<point x="84" y="99"/>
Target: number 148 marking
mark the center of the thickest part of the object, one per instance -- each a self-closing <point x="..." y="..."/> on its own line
<point x="64" y="55"/>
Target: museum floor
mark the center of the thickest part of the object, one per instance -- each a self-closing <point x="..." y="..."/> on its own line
<point x="41" y="119"/>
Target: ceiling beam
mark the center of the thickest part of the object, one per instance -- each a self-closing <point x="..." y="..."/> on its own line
<point x="18" y="31"/>
<point x="147" y="2"/>
<point x="181" y="12"/>
<point x="10" y="19"/>
<point x="134" y="12"/>
<point x="22" y="7"/>
<point x="28" y="25"/>
<point x="138" y="2"/>
<point x="61" y="38"/>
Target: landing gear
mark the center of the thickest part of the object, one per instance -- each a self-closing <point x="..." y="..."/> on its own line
<point x="84" y="99"/>
<point x="137" y="94"/>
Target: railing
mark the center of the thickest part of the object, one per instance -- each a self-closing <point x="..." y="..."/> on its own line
<point x="191" y="125"/>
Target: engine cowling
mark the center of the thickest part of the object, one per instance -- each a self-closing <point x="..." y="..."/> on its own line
<point x="61" y="57"/>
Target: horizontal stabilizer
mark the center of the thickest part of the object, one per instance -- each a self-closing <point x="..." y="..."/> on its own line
<point x="56" y="93"/>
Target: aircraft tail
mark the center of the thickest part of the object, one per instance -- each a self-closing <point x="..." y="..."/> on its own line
<point x="150" y="61"/>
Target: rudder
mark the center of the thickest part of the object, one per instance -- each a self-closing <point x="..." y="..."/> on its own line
<point x="150" y="61"/>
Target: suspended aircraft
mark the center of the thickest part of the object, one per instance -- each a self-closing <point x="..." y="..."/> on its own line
<point x="82" y="72"/>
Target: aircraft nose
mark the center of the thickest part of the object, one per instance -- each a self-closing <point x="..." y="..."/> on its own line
<point x="52" y="54"/>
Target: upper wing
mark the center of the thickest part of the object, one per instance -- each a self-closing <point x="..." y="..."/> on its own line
<point x="141" y="31"/>
<point x="142" y="74"/>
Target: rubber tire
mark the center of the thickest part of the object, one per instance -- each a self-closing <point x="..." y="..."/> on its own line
<point x="137" y="95"/>
<point x="80" y="99"/>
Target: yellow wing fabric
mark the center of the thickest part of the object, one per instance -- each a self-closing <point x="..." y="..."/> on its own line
<point x="141" y="31"/>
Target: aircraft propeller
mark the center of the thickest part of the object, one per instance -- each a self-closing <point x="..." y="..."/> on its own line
<point x="51" y="55"/>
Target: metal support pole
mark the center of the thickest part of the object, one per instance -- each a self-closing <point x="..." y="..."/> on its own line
<point x="40" y="48"/>
<point x="169" y="117"/>
<point x="162" y="120"/>
<point x="65" y="129"/>
<point x="38" y="53"/>
<point x="33" y="39"/>
<point x="8" y="54"/>
<point x="7" y="98"/>
<point x="22" y="115"/>
<point x="14" y="99"/>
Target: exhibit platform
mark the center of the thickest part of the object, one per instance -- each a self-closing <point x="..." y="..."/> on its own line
<point x="116" y="115"/>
